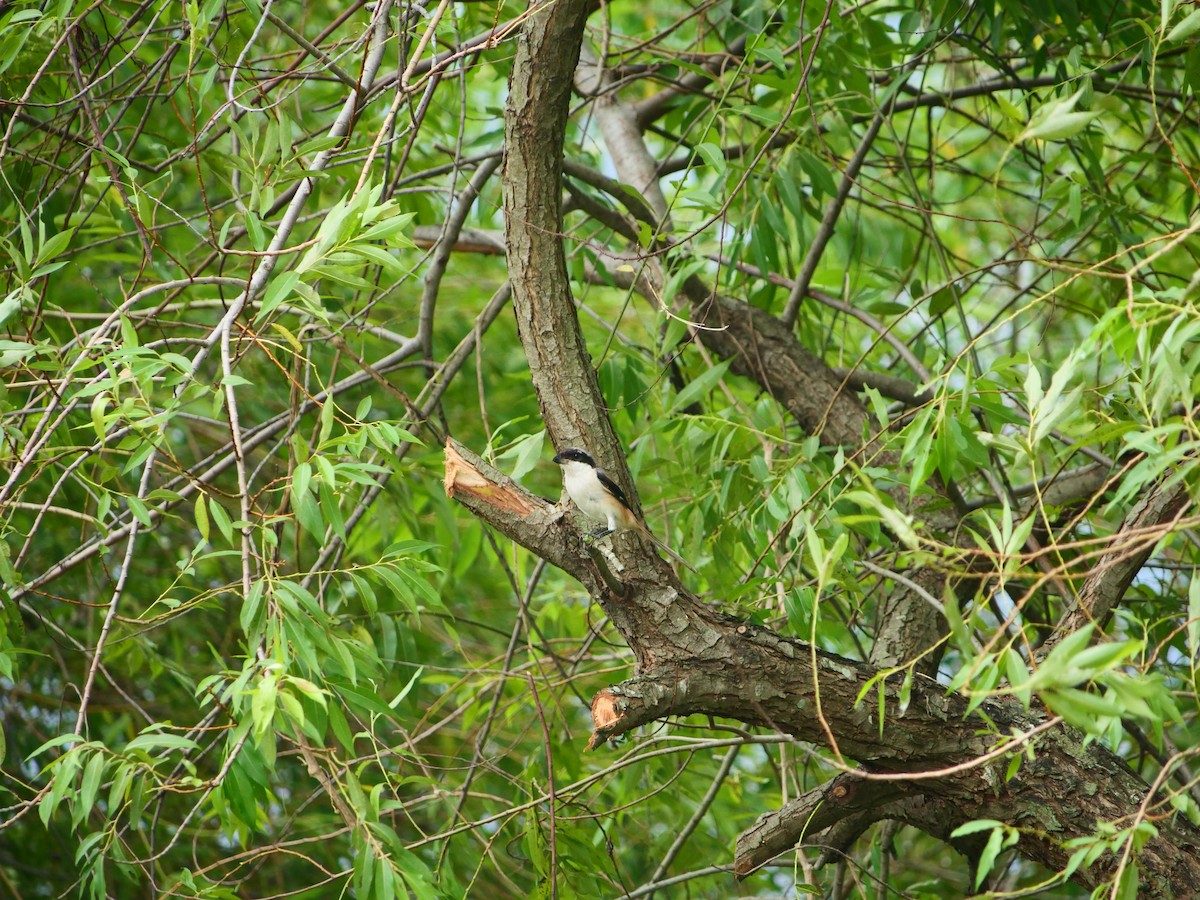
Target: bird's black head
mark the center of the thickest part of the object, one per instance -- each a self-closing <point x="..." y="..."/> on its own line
<point x="574" y="454"/>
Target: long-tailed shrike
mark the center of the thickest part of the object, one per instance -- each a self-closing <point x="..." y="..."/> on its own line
<point x="600" y="498"/>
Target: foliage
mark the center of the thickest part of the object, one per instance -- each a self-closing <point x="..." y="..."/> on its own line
<point x="249" y="647"/>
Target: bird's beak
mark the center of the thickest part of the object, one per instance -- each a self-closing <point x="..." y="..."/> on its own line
<point x="558" y="459"/>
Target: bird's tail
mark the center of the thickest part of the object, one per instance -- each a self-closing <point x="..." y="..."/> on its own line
<point x="664" y="548"/>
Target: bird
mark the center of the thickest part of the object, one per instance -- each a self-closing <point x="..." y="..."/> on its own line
<point x="600" y="498"/>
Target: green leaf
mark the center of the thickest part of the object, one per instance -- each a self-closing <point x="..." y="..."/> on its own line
<point x="1100" y="657"/>
<point x="1127" y="887"/>
<point x="308" y="513"/>
<point x="140" y="511"/>
<point x="763" y="115"/>
<point x="157" y="740"/>
<point x="293" y="710"/>
<point x="1079" y="708"/>
<point x="899" y="523"/>
<point x="941" y="300"/>
<point x="262" y="706"/>
<point x="200" y="511"/>
<point x="712" y="156"/>
<point x="61" y="785"/>
<point x="1185" y="28"/>
<point x="98" y="406"/>
<point x="403" y="691"/>
<point x="122" y="777"/>
<point x="1017" y="672"/>
<point x="798" y="604"/>
<point x="1058" y="662"/>
<point x="699" y="386"/>
<point x="527" y="453"/>
<point x="332" y="509"/>
<point x="1193" y="620"/>
<point x="328" y="409"/>
<point x="822" y="180"/>
<point x="10" y="305"/>
<point x="307" y="688"/>
<point x="55" y="245"/>
<point x="386" y="261"/>
<point x="987" y="858"/>
<point x="1010" y="110"/>
<point x="1014" y="766"/>
<point x="1057" y="120"/>
<point x="251" y="605"/>
<point x="57" y="741"/>
<point x="224" y="523"/>
<point x="367" y="701"/>
<point x="1124" y="693"/>
<point x="13" y="352"/>
<point x="390" y="230"/>
<point x="341" y="729"/>
<point x="773" y="55"/>
<point x="89" y="786"/>
<point x="278" y="290"/>
<point x="364" y="872"/>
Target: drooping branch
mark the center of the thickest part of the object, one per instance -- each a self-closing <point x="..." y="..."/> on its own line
<point x="765" y="351"/>
<point x="694" y="81"/>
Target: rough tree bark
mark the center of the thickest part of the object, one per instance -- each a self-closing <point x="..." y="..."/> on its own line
<point x="692" y="658"/>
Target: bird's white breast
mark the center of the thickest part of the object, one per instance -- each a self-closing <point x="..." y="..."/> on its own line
<point x="585" y="490"/>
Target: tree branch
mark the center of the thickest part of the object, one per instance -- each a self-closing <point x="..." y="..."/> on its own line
<point x="1110" y="578"/>
<point x="828" y="221"/>
<point x="559" y="364"/>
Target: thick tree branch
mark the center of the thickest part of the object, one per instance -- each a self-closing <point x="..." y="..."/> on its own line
<point x="1112" y="574"/>
<point x="502" y="503"/>
<point x="559" y="364"/>
<point x="656" y="105"/>
<point x="766" y="352"/>
<point x="622" y="132"/>
<point x="846" y="797"/>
